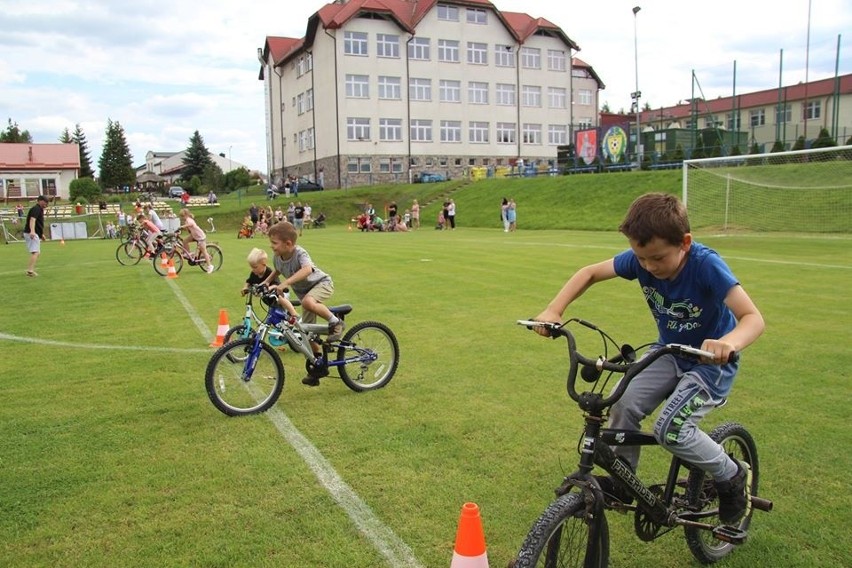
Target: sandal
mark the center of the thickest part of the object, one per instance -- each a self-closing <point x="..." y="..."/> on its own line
<point x="32" y="273"/>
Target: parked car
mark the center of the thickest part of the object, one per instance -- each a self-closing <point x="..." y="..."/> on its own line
<point x="307" y="185"/>
<point x="176" y="191"/>
<point x="429" y="177"/>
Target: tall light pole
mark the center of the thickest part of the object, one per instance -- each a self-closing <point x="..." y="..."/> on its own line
<point x="635" y="95"/>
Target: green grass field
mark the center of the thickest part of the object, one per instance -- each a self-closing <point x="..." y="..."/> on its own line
<point x="112" y="455"/>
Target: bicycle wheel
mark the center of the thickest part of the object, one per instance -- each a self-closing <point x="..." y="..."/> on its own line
<point x="372" y="354"/>
<point x="163" y="269"/>
<point x="244" y="377"/>
<point x="701" y="492"/>
<point x="560" y="537"/>
<point x="216" y="258"/>
<point x="129" y="253"/>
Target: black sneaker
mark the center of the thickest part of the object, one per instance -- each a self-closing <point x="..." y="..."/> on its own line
<point x="733" y="495"/>
<point x="311" y="381"/>
<point x="335" y="330"/>
<point x="614" y="491"/>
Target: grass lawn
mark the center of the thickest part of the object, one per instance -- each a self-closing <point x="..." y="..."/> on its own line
<point x="112" y="455"/>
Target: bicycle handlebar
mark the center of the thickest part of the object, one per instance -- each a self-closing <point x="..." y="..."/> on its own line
<point x="621" y="363"/>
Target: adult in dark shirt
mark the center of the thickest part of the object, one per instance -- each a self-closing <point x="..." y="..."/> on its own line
<point x="34" y="232"/>
<point x="299" y="217"/>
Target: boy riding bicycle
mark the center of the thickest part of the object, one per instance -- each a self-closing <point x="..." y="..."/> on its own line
<point x="695" y="300"/>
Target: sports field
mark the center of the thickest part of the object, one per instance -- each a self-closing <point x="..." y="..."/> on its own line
<point x="112" y="455"/>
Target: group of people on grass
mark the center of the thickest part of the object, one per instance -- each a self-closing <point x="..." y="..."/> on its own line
<point x="369" y="220"/>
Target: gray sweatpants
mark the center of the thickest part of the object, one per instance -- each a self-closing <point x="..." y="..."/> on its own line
<point x="676" y="428"/>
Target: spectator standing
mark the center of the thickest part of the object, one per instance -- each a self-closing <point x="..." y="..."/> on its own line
<point x="504" y="215"/>
<point x="34" y="233"/>
<point x="415" y="215"/>
<point x="299" y="217"/>
<point x="445" y="211"/>
<point x="512" y="215"/>
<point x="392" y="210"/>
<point x="254" y="214"/>
<point x="451" y="214"/>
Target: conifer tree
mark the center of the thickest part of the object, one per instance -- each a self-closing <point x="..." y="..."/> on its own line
<point x="197" y="158"/>
<point x="85" y="158"/>
<point x="65" y="137"/>
<point x="116" y="163"/>
<point x="13" y="134"/>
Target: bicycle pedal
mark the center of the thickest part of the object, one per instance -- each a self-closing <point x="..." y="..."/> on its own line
<point x="732" y="535"/>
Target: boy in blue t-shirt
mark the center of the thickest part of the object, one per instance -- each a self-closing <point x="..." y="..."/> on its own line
<point x="695" y="300"/>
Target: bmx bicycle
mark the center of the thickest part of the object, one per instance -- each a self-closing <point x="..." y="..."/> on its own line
<point x="573" y="530"/>
<point x="246" y="376"/>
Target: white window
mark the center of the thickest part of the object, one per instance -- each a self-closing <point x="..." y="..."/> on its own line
<point x="300" y="103"/>
<point x="309" y="99"/>
<point x="357" y="128"/>
<point x="506" y="132"/>
<point x="530" y="58"/>
<point x="421" y="130"/>
<point x="477" y="93"/>
<point x="477" y="16"/>
<point x="390" y="165"/>
<point x="450" y="91"/>
<point x="420" y="89"/>
<point x="387" y="45"/>
<point x="783" y="114"/>
<point x="504" y="55"/>
<point x="584" y="96"/>
<point x="505" y="94"/>
<point x="357" y="86"/>
<point x="450" y="131"/>
<point x="448" y="50"/>
<point x="303" y="137"/>
<point x="757" y="117"/>
<point x="557" y="97"/>
<point x="733" y="121"/>
<point x="532" y="134"/>
<point x="300" y="67"/>
<point x="390" y="129"/>
<point x="355" y="43"/>
<point x="556" y="60"/>
<point x="418" y="48"/>
<point x="478" y="132"/>
<point x="359" y="165"/>
<point x="531" y="96"/>
<point x="448" y="13"/>
<point x="557" y="134"/>
<point x="811" y="110"/>
<point x="584" y="123"/>
<point x="311" y="138"/>
<point x="477" y="53"/>
<point x="390" y="88"/>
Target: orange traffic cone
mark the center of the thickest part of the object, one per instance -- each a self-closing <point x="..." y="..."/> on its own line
<point x="164" y="260"/>
<point x="222" y="329"/>
<point x="469" y="551"/>
<point x="172" y="273"/>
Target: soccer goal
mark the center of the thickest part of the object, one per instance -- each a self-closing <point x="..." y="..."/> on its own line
<point x="803" y="191"/>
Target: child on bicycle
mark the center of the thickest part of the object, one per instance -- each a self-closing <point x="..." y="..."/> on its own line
<point x="150" y="231"/>
<point x="311" y="285"/>
<point x="257" y="260"/>
<point x="197" y="234"/>
<point x="695" y="300"/>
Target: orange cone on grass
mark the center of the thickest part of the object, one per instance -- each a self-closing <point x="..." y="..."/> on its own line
<point x="164" y="260"/>
<point x="469" y="551"/>
<point x="222" y="330"/>
<point x="172" y="273"/>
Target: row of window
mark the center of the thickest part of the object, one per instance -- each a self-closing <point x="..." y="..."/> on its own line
<point x="811" y="110"/>
<point x="364" y="164"/>
<point x="450" y="131"/>
<point x="27" y="187"/>
<point x="449" y="51"/>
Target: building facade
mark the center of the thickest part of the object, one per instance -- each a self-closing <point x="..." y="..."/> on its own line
<point x="385" y="91"/>
<point x="29" y="170"/>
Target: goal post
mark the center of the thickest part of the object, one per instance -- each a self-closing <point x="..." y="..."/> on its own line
<point x="801" y="191"/>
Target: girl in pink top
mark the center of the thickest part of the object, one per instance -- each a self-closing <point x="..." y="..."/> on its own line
<point x="196" y="234"/>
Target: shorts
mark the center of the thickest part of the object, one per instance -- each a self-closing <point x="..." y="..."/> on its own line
<point x="298" y="223"/>
<point x="321" y="292"/>
<point x="33" y="243"/>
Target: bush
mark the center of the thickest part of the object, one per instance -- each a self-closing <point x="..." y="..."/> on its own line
<point x="84" y="190"/>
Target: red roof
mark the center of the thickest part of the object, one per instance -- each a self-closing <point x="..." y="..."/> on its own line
<point x="407" y="14"/>
<point x="39" y="156"/>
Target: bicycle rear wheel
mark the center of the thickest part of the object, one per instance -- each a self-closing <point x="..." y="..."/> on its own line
<point x="129" y="253"/>
<point x="244" y="377"/>
<point x="216" y="258"/>
<point x="372" y="352"/>
<point x="163" y="269"/>
<point x="701" y="492"/>
<point x="560" y="537"/>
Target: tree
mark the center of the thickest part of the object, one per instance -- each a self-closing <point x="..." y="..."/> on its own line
<point x="82" y="189"/>
<point x="605" y="107"/>
<point x="824" y="140"/>
<point x="778" y="146"/>
<point x="213" y="178"/>
<point x="116" y="163"/>
<point x="85" y="160"/>
<point x="196" y="159"/>
<point x="800" y="143"/>
<point x="65" y="137"/>
<point x="236" y="179"/>
<point x="14" y="135"/>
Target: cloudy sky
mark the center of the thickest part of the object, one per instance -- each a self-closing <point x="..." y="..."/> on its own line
<point x="164" y="69"/>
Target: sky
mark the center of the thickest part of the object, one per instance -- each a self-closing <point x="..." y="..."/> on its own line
<point x="164" y="69"/>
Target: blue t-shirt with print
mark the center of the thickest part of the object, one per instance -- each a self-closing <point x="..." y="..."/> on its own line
<point x="690" y="308"/>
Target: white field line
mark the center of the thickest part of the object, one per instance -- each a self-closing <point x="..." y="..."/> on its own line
<point x="389" y="545"/>
<point x="7" y="337"/>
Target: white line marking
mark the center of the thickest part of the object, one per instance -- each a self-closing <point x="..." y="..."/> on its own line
<point x="389" y="545"/>
<point x="8" y="337"/>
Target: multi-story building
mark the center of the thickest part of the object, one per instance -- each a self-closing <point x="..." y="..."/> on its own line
<point x="382" y="91"/>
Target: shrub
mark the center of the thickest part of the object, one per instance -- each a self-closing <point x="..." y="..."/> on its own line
<point x="84" y="190"/>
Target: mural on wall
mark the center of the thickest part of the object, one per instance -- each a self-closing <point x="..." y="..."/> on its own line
<point x="614" y="145"/>
<point x="587" y="145"/>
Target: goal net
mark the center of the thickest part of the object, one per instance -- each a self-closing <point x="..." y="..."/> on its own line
<point x="803" y="191"/>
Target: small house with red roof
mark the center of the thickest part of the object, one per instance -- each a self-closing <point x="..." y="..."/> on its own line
<point x="29" y="170"/>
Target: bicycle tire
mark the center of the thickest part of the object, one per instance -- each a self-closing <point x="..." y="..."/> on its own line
<point x="560" y="537"/>
<point x="701" y="492"/>
<point x="157" y="262"/>
<point x="230" y="391"/>
<point x="376" y="341"/>
<point x="216" y="258"/>
<point x="129" y="253"/>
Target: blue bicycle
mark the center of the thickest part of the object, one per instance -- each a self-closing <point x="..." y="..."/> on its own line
<point x="246" y="376"/>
